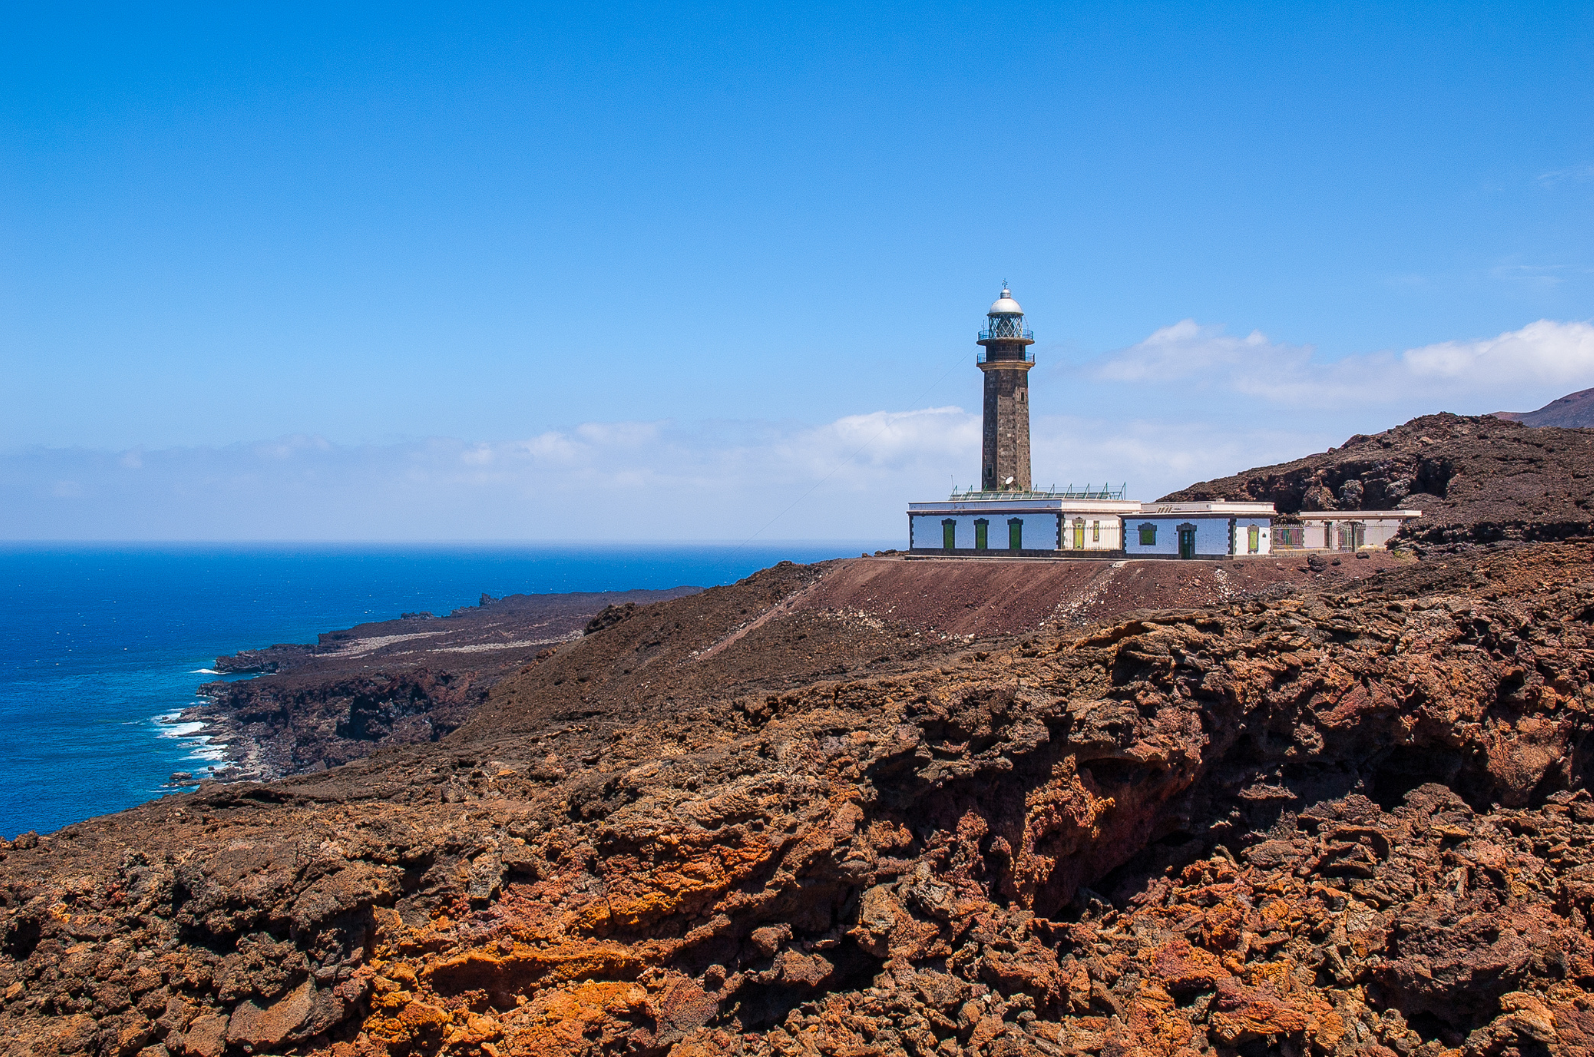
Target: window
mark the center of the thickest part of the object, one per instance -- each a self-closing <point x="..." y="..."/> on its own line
<point x="949" y="533"/>
<point x="1015" y="533"/>
<point x="1253" y="539"/>
<point x="1095" y="532"/>
<point x="982" y="536"/>
<point x="1148" y="535"/>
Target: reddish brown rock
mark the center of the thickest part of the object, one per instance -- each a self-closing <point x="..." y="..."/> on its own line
<point x="1353" y="820"/>
<point x="1477" y="479"/>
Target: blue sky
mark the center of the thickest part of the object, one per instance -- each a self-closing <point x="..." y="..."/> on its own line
<point x="518" y="271"/>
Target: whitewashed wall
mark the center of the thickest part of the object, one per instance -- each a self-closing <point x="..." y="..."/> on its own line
<point x="1040" y="530"/>
<point x="1242" y="534"/>
<point x="1324" y="535"/>
<point x="1111" y="532"/>
<point x="1212" y="534"/>
<point x="1381" y="531"/>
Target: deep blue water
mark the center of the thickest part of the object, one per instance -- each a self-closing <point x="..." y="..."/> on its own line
<point x="98" y="642"/>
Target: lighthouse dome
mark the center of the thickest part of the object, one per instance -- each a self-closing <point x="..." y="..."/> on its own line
<point x="1005" y="305"/>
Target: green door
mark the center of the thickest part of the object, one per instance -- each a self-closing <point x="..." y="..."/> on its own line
<point x="949" y="534"/>
<point x="1187" y="541"/>
<point x="982" y="535"/>
<point x="1015" y="533"/>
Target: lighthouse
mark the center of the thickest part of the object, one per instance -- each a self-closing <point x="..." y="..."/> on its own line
<point x="1005" y="360"/>
<point x="1008" y="517"/>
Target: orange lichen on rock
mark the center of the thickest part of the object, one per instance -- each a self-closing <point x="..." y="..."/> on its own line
<point x="1348" y="822"/>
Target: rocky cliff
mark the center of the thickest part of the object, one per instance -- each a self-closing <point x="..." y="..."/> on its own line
<point x="316" y="705"/>
<point x="806" y="814"/>
<point x="1475" y="480"/>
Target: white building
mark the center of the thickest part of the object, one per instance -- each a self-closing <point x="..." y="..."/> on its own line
<point x="1199" y="530"/>
<point x="1031" y="524"/>
<point x="1086" y="525"/>
<point x="1341" y="530"/>
<point x="1007" y="517"/>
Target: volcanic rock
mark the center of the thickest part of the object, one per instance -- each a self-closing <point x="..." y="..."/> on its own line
<point x="383" y="683"/>
<point x="1476" y="480"/>
<point x="798" y="815"/>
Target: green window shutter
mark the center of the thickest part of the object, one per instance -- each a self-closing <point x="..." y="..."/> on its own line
<point x="1148" y="535"/>
<point x="949" y="533"/>
<point x="1015" y="533"/>
<point x="982" y="534"/>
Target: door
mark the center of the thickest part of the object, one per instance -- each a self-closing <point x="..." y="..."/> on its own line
<point x="1015" y="533"/>
<point x="1079" y="533"/>
<point x="1253" y="539"/>
<point x="982" y="537"/>
<point x="1358" y="535"/>
<point x="1187" y="541"/>
<point x="949" y="534"/>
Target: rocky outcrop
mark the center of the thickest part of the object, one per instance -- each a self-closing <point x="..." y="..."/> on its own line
<point x="386" y="683"/>
<point x="751" y="821"/>
<point x="1476" y="480"/>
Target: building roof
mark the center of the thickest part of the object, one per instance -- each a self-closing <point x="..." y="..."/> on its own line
<point x="1216" y="508"/>
<point x="1032" y="505"/>
<point x="1005" y="305"/>
<point x="1355" y="515"/>
<point x="1055" y="503"/>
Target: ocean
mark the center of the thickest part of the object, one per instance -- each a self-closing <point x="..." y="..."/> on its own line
<point x="102" y="642"/>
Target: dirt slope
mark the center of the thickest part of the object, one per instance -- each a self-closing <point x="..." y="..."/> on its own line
<point x="1475" y="479"/>
<point x="994" y="597"/>
<point x="770" y="819"/>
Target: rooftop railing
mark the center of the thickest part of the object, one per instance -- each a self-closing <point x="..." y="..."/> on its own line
<point x="1106" y="491"/>
<point x="980" y="357"/>
<point x="1000" y="332"/>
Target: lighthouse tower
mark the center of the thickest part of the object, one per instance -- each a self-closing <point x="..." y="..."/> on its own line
<point x="1006" y="362"/>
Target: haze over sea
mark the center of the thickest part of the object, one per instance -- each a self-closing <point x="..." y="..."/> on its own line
<point x="101" y="641"/>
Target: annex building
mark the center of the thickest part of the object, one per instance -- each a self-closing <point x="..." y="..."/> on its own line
<point x="1007" y="516"/>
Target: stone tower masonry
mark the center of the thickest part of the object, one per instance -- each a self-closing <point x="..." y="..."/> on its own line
<point x="1006" y="362"/>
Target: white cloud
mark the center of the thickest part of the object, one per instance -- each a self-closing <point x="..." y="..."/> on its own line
<point x="1516" y="364"/>
<point x="1558" y="353"/>
<point x="847" y="479"/>
<point x="1530" y="276"/>
<point x="1573" y="174"/>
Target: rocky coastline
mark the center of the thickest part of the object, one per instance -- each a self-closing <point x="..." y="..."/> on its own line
<point x="311" y="706"/>
<point x="886" y="807"/>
